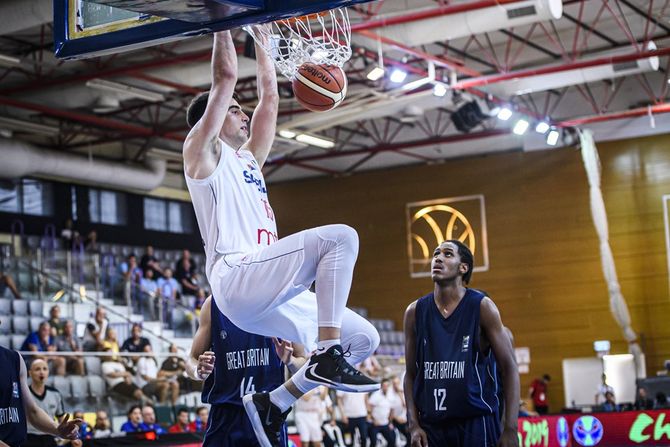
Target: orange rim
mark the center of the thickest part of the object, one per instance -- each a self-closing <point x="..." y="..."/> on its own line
<point x="305" y="18"/>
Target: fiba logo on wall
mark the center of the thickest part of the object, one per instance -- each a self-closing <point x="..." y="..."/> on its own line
<point x="587" y="431"/>
<point x="433" y="221"/>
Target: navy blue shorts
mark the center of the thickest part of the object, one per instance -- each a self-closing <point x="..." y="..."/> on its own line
<point x="479" y="431"/>
<point x="229" y="426"/>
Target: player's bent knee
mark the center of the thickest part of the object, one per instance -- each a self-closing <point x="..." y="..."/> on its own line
<point x="346" y="236"/>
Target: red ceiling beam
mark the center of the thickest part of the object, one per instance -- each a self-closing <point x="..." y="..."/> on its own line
<point x="91" y="119"/>
<point x="443" y="61"/>
<point x="485" y="80"/>
<point x="392" y="147"/>
<point x="110" y="72"/>
<point x="641" y="111"/>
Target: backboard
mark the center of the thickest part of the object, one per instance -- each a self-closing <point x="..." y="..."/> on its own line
<point x="87" y="28"/>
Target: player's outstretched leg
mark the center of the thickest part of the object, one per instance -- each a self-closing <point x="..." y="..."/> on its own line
<point x="266" y="418"/>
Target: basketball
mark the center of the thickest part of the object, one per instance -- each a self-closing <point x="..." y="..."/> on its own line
<point x="319" y="87"/>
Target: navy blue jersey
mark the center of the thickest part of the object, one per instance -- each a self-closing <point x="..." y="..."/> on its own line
<point x="245" y="363"/>
<point x="453" y="378"/>
<point x="12" y="416"/>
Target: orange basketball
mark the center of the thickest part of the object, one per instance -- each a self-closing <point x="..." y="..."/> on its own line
<point x="319" y="87"/>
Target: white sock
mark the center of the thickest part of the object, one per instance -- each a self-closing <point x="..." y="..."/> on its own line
<point x="324" y="345"/>
<point x="282" y="398"/>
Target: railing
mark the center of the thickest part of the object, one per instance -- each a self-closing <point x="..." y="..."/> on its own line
<point x="59" y="287"/>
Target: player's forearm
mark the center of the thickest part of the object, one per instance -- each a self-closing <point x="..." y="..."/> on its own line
<point x="224" y="59"/>
<point x="267" y="76"/>
<point x="412" y="412"/>
<point x="42" y="421"/>
<point x="511" y="389"/>
<point x="2" y="444"/>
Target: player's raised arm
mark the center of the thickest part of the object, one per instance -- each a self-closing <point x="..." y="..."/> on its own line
<point x="502" y="348"/>
<point x="418" y="435"/>
<point x="201" y="142"/>
<point x="201" y="360"/>
<point x="264" y="119"/>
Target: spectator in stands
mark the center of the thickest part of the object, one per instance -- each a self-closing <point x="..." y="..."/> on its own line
<point x="610" y="404"/>
<point x="381" y="409"/>
<point x="199" y="424"/>
<point x="200" y="300"/>
<point x="95" y="330"/>
<point x="149" y="261"/>
<point x="173" y="369"/>
<point x="7" y="282"/>
<point x="371" y="367"/>
<point x="120" y="381"/>
<point x="111" y="343"/>
<point x="538" y="394"/>
<point x="147" y="378"/>
<point x="309" y="416"/>
<point x="135" y="343"/>
<point x="42" y="341"/>
<point x="399" y="408"/>
<point x="180" y="267"/>
<point x="55" y="321"/>
<point x="661" y="401"/>
<point x="67" y="342"/>
<point x="183" y="424"/>
<point x="167" y="289"/>
<point x="131" y="274"/>
<point x="186" y="277"/>
<point x="91" y="243"/>
<point x="642" y="401"/>
<point x="603" y="389"/>
<point x="134" y="422"/>
<point x="85" y="430"/>
<point x="47" y="398"/>
<point x="354" y="411"/>
<point x="103" y="426"/>
<point x="523" y="409"/>
<point x="148" y="293"/>
<point x="68" y="235"/>
<point x="149" y="420"/>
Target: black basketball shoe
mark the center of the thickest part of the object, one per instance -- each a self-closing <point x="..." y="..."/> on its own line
<point x="266" y="418"/>
<point x="330" y="368"/>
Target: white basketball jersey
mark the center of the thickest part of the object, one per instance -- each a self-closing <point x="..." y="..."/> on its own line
<point x="232" y="208"/>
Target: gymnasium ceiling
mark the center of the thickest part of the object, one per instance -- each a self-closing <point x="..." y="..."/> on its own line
<point x="379" y="125"/>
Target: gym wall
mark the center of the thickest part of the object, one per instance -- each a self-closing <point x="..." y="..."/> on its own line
<point x="545" y="272"/>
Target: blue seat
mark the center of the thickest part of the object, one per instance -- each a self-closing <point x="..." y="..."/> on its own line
<point x="36" y="308"/>
<point x="20" y="325"/>
<point x="5" y="306"/>
<point x="20" y="307"/>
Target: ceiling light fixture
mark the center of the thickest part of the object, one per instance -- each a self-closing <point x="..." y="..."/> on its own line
<point x="287" y="133"/>
<point x="375" y="74"/>
<point x="398" y="76"/>
<point x="9" y="61"/>
<point x="552" y="137"/>
<point x="521" y="127"/>
<point x="315" y="141"/>
<point x="504" y="114"/>
<point x="439" y="89"/>
<point x="27" y="126"/>
<point x="117" y="87"/>
<point x="542" y="127"/>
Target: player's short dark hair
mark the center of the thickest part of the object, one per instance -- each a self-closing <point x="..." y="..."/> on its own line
<point x="133" y="408"/>
<point x="182" y="410"/>
<point x="196" y="109"/>
<point x="466" y="257"/>
<point x="547" y="377"/>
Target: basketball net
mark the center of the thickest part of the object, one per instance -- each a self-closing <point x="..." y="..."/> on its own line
<point x="322" y="38"/>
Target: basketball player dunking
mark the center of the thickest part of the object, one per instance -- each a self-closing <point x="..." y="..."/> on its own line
<point x="261" y="283"/>
<point x="451" y="336"/>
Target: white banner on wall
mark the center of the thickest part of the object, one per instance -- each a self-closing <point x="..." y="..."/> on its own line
<point x="666" y="220"/>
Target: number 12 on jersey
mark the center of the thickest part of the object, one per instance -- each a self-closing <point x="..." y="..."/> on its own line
<point x="440" y="395"/>
<point x="250" y="388"/>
